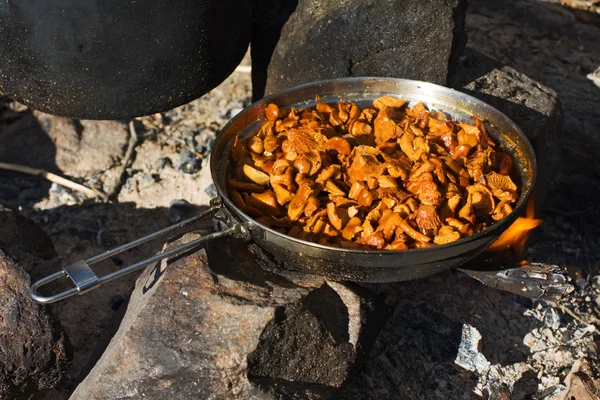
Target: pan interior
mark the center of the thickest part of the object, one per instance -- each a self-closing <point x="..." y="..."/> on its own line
<point x="362" y="91"/>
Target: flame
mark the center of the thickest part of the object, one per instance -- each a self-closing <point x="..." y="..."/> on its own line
<point x="516" y="235"/>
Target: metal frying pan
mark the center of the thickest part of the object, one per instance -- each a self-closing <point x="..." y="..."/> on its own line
<point x="313" y="258"/>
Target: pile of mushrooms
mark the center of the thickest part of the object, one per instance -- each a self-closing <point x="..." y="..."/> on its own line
<point x="388" y="177"/>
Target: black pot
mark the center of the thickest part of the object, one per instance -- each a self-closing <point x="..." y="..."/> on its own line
<point x="113" y="59"/>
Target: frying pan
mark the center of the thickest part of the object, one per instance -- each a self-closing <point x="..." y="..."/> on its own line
<point x="333" y="263"/>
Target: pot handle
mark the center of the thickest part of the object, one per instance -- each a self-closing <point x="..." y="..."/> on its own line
<point x="85" y="279"/>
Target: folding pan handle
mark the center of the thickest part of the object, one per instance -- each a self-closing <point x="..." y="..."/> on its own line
<point x="85" y="279"/>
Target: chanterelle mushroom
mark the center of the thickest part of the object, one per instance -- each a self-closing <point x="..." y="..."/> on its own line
<point x="386" y="177"/>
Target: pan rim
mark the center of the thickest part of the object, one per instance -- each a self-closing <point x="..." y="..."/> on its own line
<point x="501" y="225"/>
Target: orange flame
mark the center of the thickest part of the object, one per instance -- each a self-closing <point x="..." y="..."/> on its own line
<point x="516" y="235"/>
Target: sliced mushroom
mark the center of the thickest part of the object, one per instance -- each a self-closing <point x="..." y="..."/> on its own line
<point x="297" y="204"/>
<point x="302" y="140"/>
<point x="337" y="218"/>
<point x="498" y="181"/>
<point x="266" y="202"/>
<point x="255" y="175"/>
<point x="364" y="164"/>
<point x="406" y="144"/>
<point x="368" y="114"/>
<point x="302" y="165"/>
<point x="330" y="230"/>
<point x="353" y="227"/>
<point x="270" y="144"/>
<point x="267" y="129"/>
<point x="501" y="211"/>
<point x="365" y="198"/>
<point x="386" y="181"/>
<point x="389" y="224"/>
<point x="323" y="107"/>
<point x="355" y="190"/>
<point x="332" y="188"/>
<point x="374" y="240"/>
<point x="283" y="195"/>
<point x="368" y="229"/>
<point x="372" y="182"/>
<point x="340" y="145"/>
<point x="396" y="194"/>
<point x="482" y="199"/>
<point x="386" y="101"/>
<point x="426" y="189"/>
<point x="427" y="218"/>
<point x="245" y="186"/>
<point x="333" y="171"/>
<point x="460" y="226"/>
<point x="446" y="235"/>
<point x="342" y="201"/>
<point x="255" y="145"/>
<point x="466" y="212"/>
<point x="395" y="167"/>
<point x="237" y="199"/>
<point x="286" y="178"/>
<point x="313" y="219"/>
<point x="384" y="126"/>
<point x="360" y="128"/>
<point x="352" y="211"/>
<point x="403" y="210"/>
<point x="312" y="205"/>
<point x="315" y="161"/>
<point x="502" y="186"/>
<point x="397" y="244"/>
<point x="413" y="233"/>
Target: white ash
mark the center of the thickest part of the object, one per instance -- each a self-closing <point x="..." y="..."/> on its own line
<point x="469" y="357"/>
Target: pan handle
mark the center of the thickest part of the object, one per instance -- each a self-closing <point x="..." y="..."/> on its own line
<point x="85" y="279"/>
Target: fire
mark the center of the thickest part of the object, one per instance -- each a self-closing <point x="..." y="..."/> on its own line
<point x="516" y="235"/>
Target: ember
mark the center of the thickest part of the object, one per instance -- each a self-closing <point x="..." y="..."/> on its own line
<point x="516" y="235"/>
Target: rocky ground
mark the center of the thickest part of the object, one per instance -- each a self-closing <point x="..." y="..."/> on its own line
<point x="167" y="179"/>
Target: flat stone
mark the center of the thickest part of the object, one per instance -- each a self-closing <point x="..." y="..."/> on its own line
<point x="324" y="40"/>
<point x="190" y="329"/>
<point x="33" y="348"/>
<point x="534" y="107"/>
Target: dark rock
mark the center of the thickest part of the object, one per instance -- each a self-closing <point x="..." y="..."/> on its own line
<point x="34" y="354"/>
<point x="188" y="162"/>
<point x="532" y="106"/>
<point x="22" y="237"/>
<point x="307" y="342"/>
<point x="404" y="39"/>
